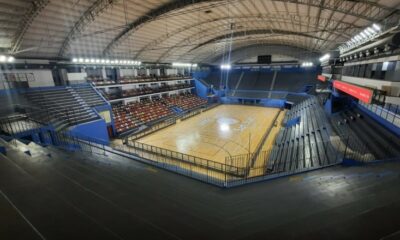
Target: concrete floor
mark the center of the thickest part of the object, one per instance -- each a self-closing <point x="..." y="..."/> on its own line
<point x="72" y="196"/>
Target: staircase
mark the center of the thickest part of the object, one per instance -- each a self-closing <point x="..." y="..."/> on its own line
<point x="88" y="94"/>
<point x="65" y="106"/>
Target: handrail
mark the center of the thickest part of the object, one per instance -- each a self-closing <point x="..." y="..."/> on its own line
<point x="186" y="158"/>
<point x="251" y="157"/>
<point x="378" y="110"/>
<point x="168" y="121"/>
<point x="60" y="113"/>
<point x="55" y="110"/>
<point x="136" y="135"/>
<point x="265" y="136"/>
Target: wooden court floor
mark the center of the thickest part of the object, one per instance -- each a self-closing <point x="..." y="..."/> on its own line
<point x="226" y="130"/>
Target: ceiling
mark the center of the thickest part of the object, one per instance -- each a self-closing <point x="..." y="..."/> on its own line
<point x="186" y="31"/>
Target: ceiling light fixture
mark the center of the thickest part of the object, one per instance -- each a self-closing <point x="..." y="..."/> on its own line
<point x="10" y="59"/>
<point x="100" y="61"/>
<point x="177" y="64"/>
<point x="3" y="58"/>
<point x="225" y="66"/>
<point x="325" y="57"/>
<point x="366" y="35"/>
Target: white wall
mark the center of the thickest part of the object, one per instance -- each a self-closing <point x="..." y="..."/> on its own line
<point x="155" y="71"/>
<point x="171" y="71"/>
<point x="377" y="84"/>
<point x="76" y="76"/>
<point x="127" y="72"/>
<point x="42" y="78"/>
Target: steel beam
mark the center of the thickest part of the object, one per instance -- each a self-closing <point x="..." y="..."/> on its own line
<point x="339" y="30"/>
<point x="257" y="49"/>
<point x="87" y="17"/>
<point x="29" y="16"/>
<point x="250" y="32"/>
<point x="366" y="10"/>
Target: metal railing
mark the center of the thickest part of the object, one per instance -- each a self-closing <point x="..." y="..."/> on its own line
<point x="168" y="122"/>
<point x="41" y="116"/>
<point x="13" y="126"/>
<point x="20" y="118"/>
<point x="277" y="162"/>
<point x="172" y="157"/>
<point x="388" y="112"/>
<point x="280" y="161"/>
<point x="263" y="139"/>
<point x="267" y="164"/>
<point x="257" y="94"/>
<point x="371" y="150"/>
<point x="153" y="128"/>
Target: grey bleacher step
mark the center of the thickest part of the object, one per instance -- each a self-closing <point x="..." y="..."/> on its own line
<point x="94" y="98"/>
<point x="77" y="122"/>
<point x="54" y="101"/>
<point x="49" y="96"/>
<point x="63" y="112"/>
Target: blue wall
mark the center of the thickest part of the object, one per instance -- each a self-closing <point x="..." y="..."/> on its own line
<point x="276" y="103"/>
<point x="266" y="102"/>
<point x="200" y="74"/>
<point x="107" y="107"/>
<point x="95" y="131"/>
<point x="201" y="89"/>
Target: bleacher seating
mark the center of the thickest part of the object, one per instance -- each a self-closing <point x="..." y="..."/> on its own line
<point x="147" y="111"/>
<point x="367" y="140"/>
<point x="124" y="118"/>
<point x="89" y="95"/>
<point x="232" y="78"/>
<point x="214" y="78"/>
<point x="64" y="104"/>
<point x="305" y="144"/>
<point x="185" y="101"/>
<point x="99" y="81"/>
<point x="144" y="91"/>
<point x="9" y="100"/>
<point x="256" y="81"/>
<point x="134" y="114"/>
<point x="262" y="80"/>
<point x="293" y="82"/>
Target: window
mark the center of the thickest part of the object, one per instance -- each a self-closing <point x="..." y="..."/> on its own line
<point x="356" y="70"/>
<point x="368" y="71"/>
<point x="361" y="71"/>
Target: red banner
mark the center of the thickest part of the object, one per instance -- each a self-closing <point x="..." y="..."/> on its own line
<point x="363" y="94"/>
<point x="321" y="78"/>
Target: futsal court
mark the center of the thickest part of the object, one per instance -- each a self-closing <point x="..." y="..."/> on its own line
<point x="226" y="130"/>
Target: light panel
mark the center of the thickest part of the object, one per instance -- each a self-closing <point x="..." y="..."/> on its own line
<point x="364" y="36"/>
<point x="105" y="61"/>
<point x="225" y="66"/>
<point x="178" y="64"/>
